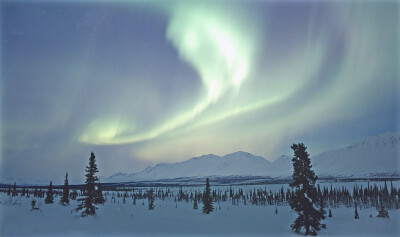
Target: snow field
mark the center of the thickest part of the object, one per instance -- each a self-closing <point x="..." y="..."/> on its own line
<point x="120" y="219"/>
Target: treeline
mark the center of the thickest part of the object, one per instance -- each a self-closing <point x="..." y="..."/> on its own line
<point x="38" y="192"/>
<point x="332" y="197"/>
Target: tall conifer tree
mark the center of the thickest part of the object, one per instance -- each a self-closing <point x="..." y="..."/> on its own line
<point x="207" y="199"/>
<point x="65" y="196"/>
<point x="88" y="202"/>
<point x="305" y="193"/>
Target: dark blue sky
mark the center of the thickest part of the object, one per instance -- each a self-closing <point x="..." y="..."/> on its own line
<point x="141" y="83"/>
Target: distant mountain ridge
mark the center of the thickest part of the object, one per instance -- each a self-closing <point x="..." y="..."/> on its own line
<point x="378" y="154"/>
<point x="375" y="156"/>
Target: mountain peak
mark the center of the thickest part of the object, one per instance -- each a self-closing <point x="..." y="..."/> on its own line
<point x="283" y="158"/>
<point x="208" y="156"/>
<point x="118" y="174"/>
<point x="239" y="154"/>
<point x="378" y="141"/>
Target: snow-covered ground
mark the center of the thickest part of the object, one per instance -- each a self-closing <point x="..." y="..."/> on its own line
<point x="168" y="220"/>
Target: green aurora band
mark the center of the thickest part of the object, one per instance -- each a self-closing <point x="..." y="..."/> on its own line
<point x="236" y="84"/>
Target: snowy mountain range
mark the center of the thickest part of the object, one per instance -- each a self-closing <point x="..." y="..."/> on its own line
<point x="376" y="156"/>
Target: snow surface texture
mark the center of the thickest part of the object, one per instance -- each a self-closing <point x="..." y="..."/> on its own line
<point x="375" y="156"/>
<point x="118" y="219"/>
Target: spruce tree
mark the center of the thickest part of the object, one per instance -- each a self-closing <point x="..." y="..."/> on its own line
<point x="65" y="196"/>
<point x="87" y="202"/>
<point x="382" y="210"/>
<point x="195" y="206"/>
<point x="14" y="193"/>
<point x="355" y="211"/>
<point x="330" y="213"/>
<point x="150" y="199"/>
<point x="207" y="199"/>
<point x="33" y="204"/>
<point x="305" y="193"/>
<point x="50" y="195"/>
<point x="9" y="190"/>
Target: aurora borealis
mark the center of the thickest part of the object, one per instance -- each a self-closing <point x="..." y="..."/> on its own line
<point x="146" y="82"/>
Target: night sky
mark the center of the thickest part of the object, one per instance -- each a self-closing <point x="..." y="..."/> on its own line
<point x="140" y="83"/>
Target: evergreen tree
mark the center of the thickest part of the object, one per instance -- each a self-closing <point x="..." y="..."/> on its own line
<point x="330" y="213"/>
<point x="14" y="193"/>
<point x="195" y="206"/>
<point x="9" y="190"/>
<point x="207" y="199"/>
<point x="276" y="210"/>
<point x="65" y="196"/>
<point x="355" y="211"/>
<point x="150" y="199"/>
<point x="305" y="193"/>
<point x="33" y="204"/>
<point x="50" y="195"/>
<point x="382" y="211"/>
<point x="87" y="203"/>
